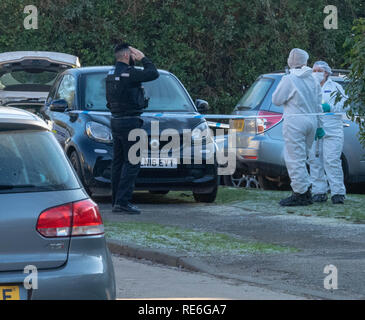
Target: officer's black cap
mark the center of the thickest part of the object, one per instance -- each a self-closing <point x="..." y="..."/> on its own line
<point x="121" y="46"/>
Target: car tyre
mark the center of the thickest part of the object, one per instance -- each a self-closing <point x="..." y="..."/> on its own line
<point x="206" y="197"/>
<point x="75" y="161"/>
<point x="266" y="184"/>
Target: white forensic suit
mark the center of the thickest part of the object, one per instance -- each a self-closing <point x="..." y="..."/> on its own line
<point x="327" y="166"/>
<point x="300" y="94"/>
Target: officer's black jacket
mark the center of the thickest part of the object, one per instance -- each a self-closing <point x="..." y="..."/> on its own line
<point x="148" y="73"/>
<point x="125" y="95"/>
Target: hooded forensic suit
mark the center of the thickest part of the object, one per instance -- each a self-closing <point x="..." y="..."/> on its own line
<point x="300" y="94"/>
<point x="330" y="147"/>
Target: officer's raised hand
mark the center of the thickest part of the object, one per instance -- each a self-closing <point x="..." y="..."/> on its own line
<point x="149" y="71"/>
<point x="136" y="54"/>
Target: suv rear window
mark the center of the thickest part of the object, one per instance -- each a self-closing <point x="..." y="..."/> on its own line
<point x="254" y="96"/>
<point x="32" y="161"/>
<point x="279" y="109"/>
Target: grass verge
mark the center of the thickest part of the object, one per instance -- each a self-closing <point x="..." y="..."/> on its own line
<point x="186" y="241"/>
<point x="267" y="201"/>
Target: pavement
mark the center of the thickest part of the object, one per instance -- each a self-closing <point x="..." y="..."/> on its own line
<point x="320" y="241"/>
<point x="142" y="279"/>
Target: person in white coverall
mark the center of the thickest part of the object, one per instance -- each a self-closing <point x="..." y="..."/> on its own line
<point x="300" y="95"/>
<point x="325" y="159"/>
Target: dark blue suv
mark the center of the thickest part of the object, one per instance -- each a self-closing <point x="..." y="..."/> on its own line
<point x="76" y="111"/>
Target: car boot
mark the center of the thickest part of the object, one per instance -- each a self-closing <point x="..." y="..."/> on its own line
<point x="321" y="197"/>
<point x="297" y="199"/>
<point x="338" y="199"/>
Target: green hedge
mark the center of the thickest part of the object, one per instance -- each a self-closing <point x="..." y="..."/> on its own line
<point x="355" y="58"/>
<point x="212" y="46"/>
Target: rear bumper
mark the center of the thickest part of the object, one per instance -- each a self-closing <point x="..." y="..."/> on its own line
<point x="88" y="274"/>
<point x="261" y="155"/>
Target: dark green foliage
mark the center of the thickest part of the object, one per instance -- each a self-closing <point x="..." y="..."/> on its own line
<point x="212" y="46"/>
<point x="355" y="58"/>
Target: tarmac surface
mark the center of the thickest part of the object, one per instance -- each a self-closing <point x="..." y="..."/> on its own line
<point x="137" y="279"/>
<point x="320" y="241"/>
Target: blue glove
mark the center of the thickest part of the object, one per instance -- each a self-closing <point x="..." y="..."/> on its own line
<point x="326" y="107"/>
<point x="319" y="134"/>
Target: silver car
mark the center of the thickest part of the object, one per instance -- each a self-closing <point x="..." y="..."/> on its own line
<point x="260" y="143"/>
<point x="50" y="230"/>
<point x="27" y="76"/>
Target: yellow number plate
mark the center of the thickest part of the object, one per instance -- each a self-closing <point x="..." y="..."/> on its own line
<point x="238" y="124"/>
<point x="9" y="293"/>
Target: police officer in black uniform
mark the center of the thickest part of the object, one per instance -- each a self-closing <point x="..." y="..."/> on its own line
<point x="126" y="101"/>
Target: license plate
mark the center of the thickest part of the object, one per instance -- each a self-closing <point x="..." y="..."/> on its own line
<point x="162" y="163"/>
<point x="9" y="293"/>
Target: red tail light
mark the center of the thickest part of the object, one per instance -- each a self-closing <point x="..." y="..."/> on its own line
<point x="265" y="123"/>
<point x="86" y="219"/>
<point x="73" y="219"/>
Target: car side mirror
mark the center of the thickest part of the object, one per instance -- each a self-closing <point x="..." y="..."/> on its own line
<point x="202" y="105"/>
<point x="60" y="105"/>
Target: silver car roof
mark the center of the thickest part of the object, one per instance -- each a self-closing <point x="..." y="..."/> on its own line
<point x="55" y="57"/>
<point x="13" y="118"/>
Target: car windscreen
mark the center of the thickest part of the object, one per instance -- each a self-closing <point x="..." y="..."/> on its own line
<point x="255" y="94"/>
<point x="165" y="93"/>
<point x="27" y="80"/>
<point x="33" y="161"/>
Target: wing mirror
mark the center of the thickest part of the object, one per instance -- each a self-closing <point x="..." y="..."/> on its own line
<point x="202" y="105"/>
<point x="58" y="105"/>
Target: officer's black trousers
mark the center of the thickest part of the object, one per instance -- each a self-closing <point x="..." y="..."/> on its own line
<point x="124" y="173"/>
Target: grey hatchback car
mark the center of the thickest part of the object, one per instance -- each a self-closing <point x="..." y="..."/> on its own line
<point x="48" y="224"/>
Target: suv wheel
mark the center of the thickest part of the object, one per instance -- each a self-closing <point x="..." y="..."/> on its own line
<point x="239" y="180"/>
<point x="266" y="184"/>
<point x="206" y="197"/>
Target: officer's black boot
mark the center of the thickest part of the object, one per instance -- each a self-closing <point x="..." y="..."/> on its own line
<point x="127" y="209"/>
<point x="297" y="199"/>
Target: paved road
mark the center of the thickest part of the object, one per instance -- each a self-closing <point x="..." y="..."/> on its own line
<point x="144" y="280"/>
<point x="321" y="241"/>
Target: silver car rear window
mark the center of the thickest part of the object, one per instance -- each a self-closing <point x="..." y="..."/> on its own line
<point x="33" y="161"/>
<point x="254" y="96"/>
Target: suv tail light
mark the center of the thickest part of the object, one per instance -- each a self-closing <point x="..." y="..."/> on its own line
<point x="265" y="123"/>
<point x="80" y="218"/>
